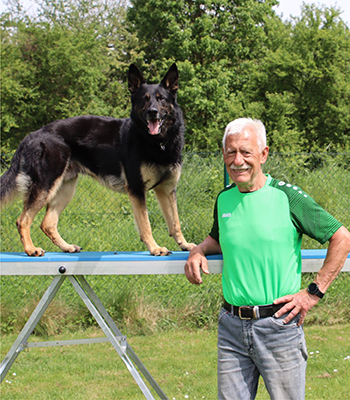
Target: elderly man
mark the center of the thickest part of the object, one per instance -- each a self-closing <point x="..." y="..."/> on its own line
<point x="258" y="226"/>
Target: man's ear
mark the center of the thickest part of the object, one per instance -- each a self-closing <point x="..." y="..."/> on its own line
<point x="264" y="155"/>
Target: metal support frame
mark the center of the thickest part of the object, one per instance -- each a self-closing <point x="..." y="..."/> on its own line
<point x="75" y="266"/>
<point x="106" y="323"/>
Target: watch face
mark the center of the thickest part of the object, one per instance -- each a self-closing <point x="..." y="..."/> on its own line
<point x="313" y="288"/>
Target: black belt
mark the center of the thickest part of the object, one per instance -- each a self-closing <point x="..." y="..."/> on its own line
<point x="253" y="312"/>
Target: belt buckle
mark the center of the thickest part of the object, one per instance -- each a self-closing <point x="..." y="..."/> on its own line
<point x="240" y="312"/>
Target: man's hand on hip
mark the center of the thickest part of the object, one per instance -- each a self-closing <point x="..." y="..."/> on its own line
<point x="297" y="303"/>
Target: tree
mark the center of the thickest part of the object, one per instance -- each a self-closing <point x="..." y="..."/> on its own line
<point x="236" y="58"/>
<point x="209" y="40"/>
<point x="70" y="59"/>
<point x="302" y="85"/>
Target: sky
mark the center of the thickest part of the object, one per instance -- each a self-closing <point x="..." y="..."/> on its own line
<point x="286" y="7"/>
<point x="293" y="7"/>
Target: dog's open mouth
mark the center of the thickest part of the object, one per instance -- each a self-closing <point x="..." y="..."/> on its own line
<point x="154" y="126"/>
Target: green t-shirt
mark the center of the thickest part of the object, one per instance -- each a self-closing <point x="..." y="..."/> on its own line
<point x="260" y="236"/>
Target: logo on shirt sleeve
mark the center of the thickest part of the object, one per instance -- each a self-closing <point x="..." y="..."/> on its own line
<point x="226" y="215"/>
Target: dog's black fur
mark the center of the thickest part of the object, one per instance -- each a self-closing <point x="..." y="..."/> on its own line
<point x="131" y="155"/>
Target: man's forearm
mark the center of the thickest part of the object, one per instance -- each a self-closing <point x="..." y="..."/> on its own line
<point x="338" y="250"/>
<point x="207" y="247"/>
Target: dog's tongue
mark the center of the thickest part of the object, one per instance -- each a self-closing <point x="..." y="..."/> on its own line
<point x="153" y="127"/>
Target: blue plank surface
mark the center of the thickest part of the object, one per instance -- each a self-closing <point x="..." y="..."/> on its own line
<point x="124" y="256"/>
<point x="96" y="256"/>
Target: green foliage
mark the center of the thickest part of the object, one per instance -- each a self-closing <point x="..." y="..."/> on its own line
<point x="200" y="31"/>
<point x="70" y="60"/>
<point x="303" y="82"/>
<point x="236" y="58"/>
<point x="209" y="40"/>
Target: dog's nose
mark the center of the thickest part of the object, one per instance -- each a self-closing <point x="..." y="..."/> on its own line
<point x="152" y="113"/>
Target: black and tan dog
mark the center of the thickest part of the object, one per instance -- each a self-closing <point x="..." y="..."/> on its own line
<point x="131" y="155"/>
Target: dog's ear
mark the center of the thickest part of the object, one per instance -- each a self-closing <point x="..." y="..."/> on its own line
<point x="135" y="79"/>
<point x="171" y="80"/>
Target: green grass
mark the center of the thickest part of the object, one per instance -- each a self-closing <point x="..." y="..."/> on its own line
<point x="183" y="362"/>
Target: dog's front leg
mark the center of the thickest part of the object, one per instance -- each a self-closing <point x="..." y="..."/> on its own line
<point x="166" y="196"/>
<point x="144" y="227"/>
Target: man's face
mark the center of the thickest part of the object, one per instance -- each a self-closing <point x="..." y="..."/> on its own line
<point x="243" y="160"/>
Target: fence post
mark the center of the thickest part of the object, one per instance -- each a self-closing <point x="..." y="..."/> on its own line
<point x="226" y="177"/>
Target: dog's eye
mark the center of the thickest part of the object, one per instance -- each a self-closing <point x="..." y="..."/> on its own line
<point x="160" y="97"/>
<point x="147" y="97"/>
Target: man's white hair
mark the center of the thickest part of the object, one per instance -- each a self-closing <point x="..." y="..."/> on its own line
<point x="238" y="125"/>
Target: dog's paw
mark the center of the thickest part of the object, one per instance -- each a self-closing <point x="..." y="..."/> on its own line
<point x="35" y="252"/>
<point x="161" y="251"/>
<point x="188" y="246"/>
<point x="73" y="248"/>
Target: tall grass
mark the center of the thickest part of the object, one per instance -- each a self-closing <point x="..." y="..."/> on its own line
<point x="144" y="305"/>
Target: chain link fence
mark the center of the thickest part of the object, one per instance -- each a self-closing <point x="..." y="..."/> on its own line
<point x="98" y="219"/>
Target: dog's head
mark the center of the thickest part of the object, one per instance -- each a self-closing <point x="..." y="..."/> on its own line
<point x="153" y="105"/>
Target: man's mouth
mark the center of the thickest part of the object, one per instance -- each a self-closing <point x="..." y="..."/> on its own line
<point x="238" y="170"/>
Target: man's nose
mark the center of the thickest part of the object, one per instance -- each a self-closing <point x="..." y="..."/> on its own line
<point x="238" y="159"/>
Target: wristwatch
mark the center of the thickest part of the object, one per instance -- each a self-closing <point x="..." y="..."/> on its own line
<point x="313" y="289"/>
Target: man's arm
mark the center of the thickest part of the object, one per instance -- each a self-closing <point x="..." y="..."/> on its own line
<point x="197" y="261"/>
<point x="338" y="251"/>
<point x="302" y="302"/>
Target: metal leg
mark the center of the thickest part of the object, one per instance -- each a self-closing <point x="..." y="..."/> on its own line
<point x="112" y="332"/>
<point x="28" y="328"/>
<point x="105" y="321"/>
<point x="96" y="301"/>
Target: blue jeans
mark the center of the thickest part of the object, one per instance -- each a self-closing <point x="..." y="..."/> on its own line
<point x="266" y="347"/>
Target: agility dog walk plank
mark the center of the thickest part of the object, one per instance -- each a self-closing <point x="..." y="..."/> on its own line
<point x="99" y="263"/>
<point x="125" y="263"/>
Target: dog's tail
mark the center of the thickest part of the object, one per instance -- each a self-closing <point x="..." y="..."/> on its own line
<point x="9" y="182"/>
